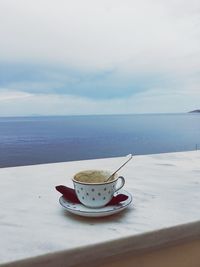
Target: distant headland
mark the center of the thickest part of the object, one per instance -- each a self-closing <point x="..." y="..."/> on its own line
<point x="195" y="111"/>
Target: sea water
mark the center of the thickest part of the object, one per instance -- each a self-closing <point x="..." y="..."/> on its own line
<point x="33" y="140"/>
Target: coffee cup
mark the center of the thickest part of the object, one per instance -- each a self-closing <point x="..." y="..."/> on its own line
<point x="92" y="189"/>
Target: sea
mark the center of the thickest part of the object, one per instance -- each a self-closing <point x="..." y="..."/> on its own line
<point x="37" y="140"/>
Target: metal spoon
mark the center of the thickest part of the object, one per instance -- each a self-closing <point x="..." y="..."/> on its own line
<point x="130" y="156"/>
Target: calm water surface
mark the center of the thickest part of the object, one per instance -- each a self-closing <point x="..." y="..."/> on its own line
<point x="33" y="140"/>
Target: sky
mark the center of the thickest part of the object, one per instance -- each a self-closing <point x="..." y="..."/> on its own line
<point x="61" y="57"/>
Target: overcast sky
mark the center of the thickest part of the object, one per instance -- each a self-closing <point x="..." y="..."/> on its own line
<point x="60" y="57"/>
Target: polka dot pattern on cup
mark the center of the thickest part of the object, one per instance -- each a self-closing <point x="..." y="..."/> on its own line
<point x="101" y="194"/>
<point x="95" y="195"/>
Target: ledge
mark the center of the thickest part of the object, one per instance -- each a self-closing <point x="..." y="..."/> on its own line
<point x="35" y="229"/>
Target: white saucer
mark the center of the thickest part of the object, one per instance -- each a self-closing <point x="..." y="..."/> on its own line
<point x="80" y="209"/>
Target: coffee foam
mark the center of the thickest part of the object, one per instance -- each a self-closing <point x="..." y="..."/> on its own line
<point x="92" y="176"/>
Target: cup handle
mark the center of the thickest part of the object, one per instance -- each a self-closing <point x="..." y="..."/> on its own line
<point x="122" y="182"/>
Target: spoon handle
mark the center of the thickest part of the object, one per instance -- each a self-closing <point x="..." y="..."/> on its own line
<point x="130" y="157"/>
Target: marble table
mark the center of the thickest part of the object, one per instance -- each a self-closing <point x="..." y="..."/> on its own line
<point x="36" y="231"/>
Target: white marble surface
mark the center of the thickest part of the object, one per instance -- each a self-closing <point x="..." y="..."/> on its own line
<point x="36" y="229"/>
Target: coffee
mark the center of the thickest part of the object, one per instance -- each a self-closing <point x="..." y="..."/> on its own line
<point x="93" y="176"/>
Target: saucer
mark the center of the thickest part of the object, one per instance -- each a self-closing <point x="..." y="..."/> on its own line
<point x="80" y="209"/>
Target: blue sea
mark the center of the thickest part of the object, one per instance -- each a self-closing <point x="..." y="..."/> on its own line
<point x="33" y="140"/>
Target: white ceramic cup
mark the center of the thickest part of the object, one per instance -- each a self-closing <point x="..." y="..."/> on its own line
<point x="92" y="190"/>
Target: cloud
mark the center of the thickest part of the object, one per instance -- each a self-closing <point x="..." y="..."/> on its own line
<point x="73" y="57"/>
<point x="9" y="96"/>
<point x="130" y="35"/>
<point x="15" y="103"/>
<point x="105" y="84"/>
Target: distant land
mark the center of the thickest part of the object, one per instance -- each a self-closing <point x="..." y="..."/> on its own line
<point x="195" y="111"/>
